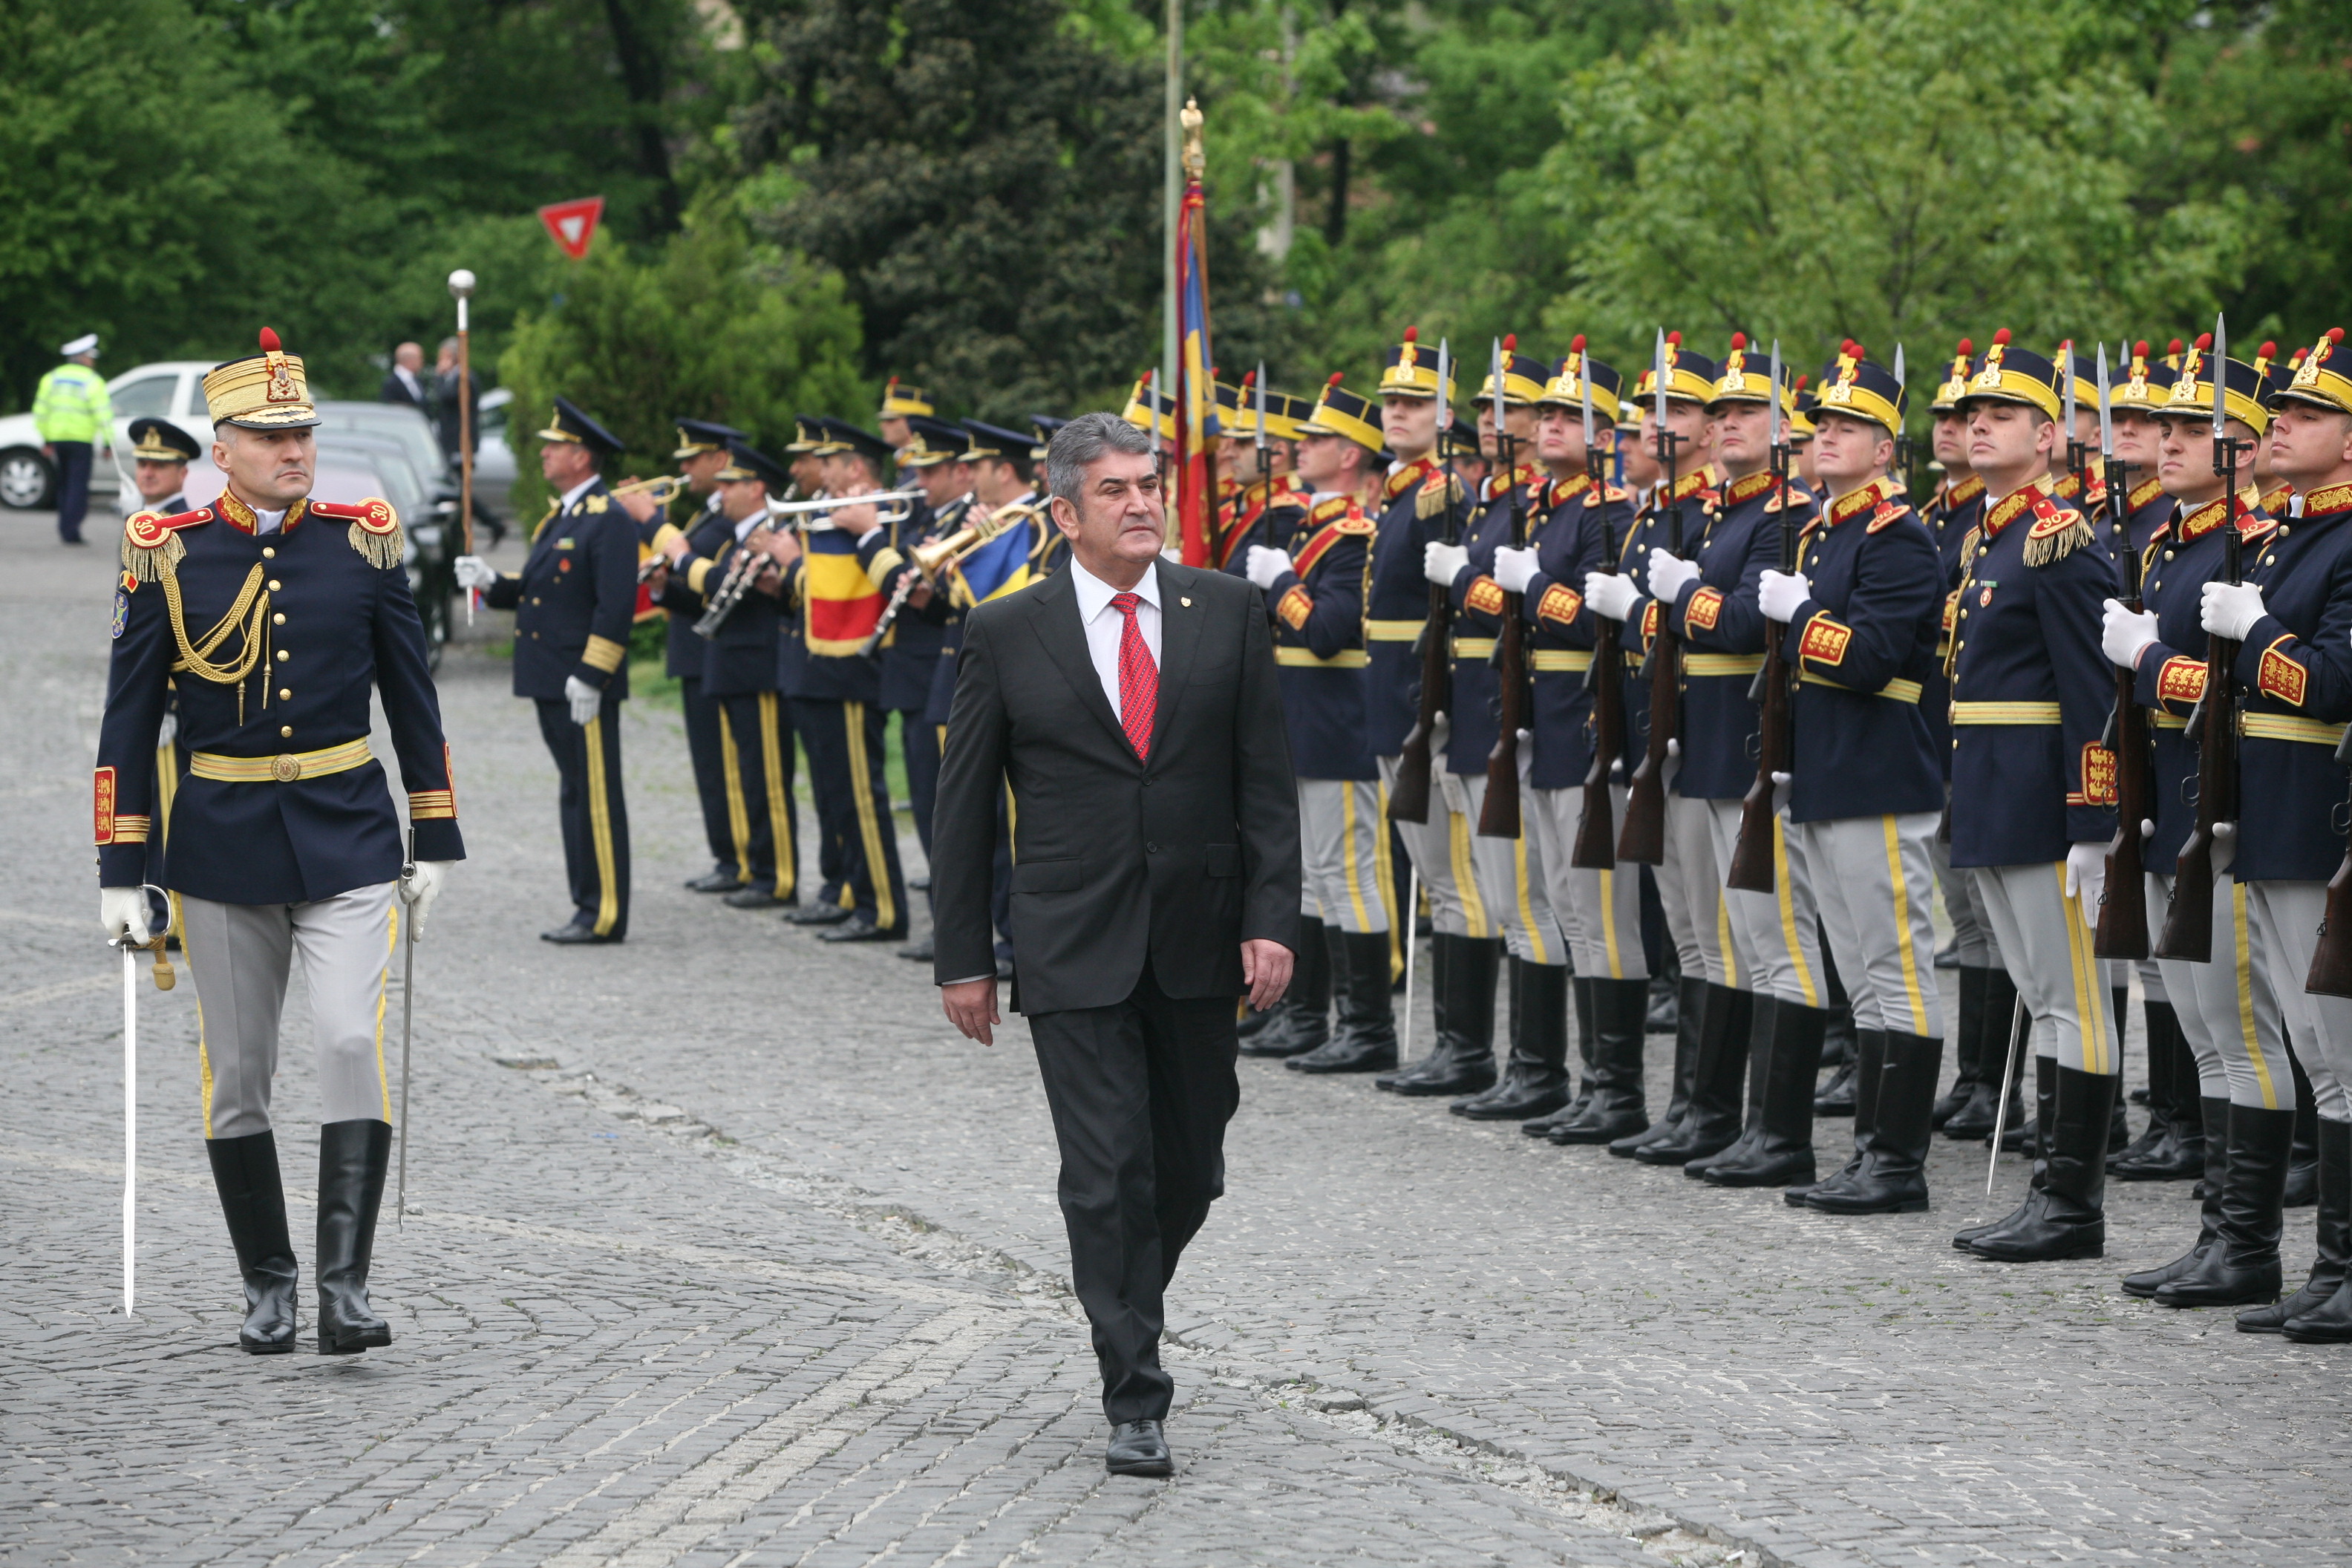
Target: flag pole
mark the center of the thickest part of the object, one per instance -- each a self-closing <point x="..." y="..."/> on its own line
<point x="1172" y="205"/>
<point x="461" y="284"/>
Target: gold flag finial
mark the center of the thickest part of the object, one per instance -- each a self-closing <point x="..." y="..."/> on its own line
<point x="1196" y="159"/>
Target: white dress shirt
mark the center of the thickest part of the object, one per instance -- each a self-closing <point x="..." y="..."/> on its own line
<point x="572" y="495"/>
<point x="1105" y="625"/>
<point x="270" y="521"/>
<point x="408" y="380"/>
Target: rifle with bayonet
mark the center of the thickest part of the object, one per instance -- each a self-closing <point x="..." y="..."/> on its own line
<point x="1751" y="857"/>
<point x="2331" y="960"/>
<point x="1596" y="835"/>
<point x="1499" y="817"/>
<point x="1409" y="801"/>
<point x="1644" y="840"/>
<point x="2123" y="907"/>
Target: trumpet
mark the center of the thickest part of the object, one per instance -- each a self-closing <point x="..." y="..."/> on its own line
<point x="661" y="489"/>
<point x="798" y="508"/>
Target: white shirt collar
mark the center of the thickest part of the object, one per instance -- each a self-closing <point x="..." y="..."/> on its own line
<point x="576" y="491"/>
<point x="745" y="527"/>
<point x="270" y="521"/>
<point x="1094" y="594"/>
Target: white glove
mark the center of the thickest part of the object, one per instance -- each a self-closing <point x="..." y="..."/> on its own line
<point x="1611" y="593"/>
<point x="1444" y="562"/>
<point x="473" y="572"/>
<point x="124" y="909"/>
<point x="1265" y="566"/>
<point x="1668" y="574"/>
<point x="585" y="699"/>
<point x="1513" y="569"/>
<point x="1781" y="593"/>
<point x="2125" y="635"/>
<point x="419" y="891"/>
<point x="2086" y="879"/>
<point x="2231" y="609"/>
<point x="1779" y="788"/>
<point x="168" y="731"/>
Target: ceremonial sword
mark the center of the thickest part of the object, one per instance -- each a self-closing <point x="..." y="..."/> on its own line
<point x="407" y="1013"/>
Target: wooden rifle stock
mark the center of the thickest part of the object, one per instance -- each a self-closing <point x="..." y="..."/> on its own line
<point x="1751" y="870"/>
<point x="1498" y="817"/>
<point x="1643" y="837"/>
<point x="2189" y="926"/>
<point x="1596" y="834"/>
<point x="1409" y="801"/>
<point x="2331" y="960"/>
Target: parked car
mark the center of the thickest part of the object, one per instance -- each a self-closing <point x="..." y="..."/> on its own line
<point x="172" y="389"/>
<point x="494" y="459"/>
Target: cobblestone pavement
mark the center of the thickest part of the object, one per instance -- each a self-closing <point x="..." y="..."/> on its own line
<point x="722" y="1249"/>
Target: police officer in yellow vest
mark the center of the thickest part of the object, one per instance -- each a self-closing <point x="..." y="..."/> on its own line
<point x="73" y="413"/>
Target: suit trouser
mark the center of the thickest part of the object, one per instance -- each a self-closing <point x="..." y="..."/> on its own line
<point x="593" y="811"/>
<point x="847" y="776"/>
<point x="1343" y="846"/>
<point x="1872" y="879"/>
<point x="1140" y="1092"/>
<point x="2046" y="949"/>
<point x="1972" y="941"/>
<point x="2286" y="917"/>
<point x="1431" y="846"/>
<point x="1600" y="913"/>
<point x="1777" y="934"/>
<point x="240" y="954"/>
<point x="726" y="817"/>
<point x="2229" y="1012"/>
<point x="1505" y="878"/>
<point x="73" y="486"/>
<point x="759" y="759"/>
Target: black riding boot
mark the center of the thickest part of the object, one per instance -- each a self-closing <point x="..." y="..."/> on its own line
<point x="2172" y="1149"/>
<point x="351" y="1160"/>
<point x="1973" y="1122"/>
<point x="1837" y="1096"/>
<point x="1712" y="1121"/>
<point x="2302" y="1163"/>
<point x="1304" y="1014"/>
<point x="1463" y="1059"/>
<point x="1760" y="1025"/>
<point x="1616" y="1108"/>
<point x="2045" y="1101"/>
<point x="1432" y="980"/>
<point x="1892" y="1174"/>
<point x="1967" y="1046"/>
<point x="253" y="1201"/>
<point x="2321" y="1312"/>
<point x="1535" y="1079"/>
<point x="2215" y="1118"/>
<point x="2241" y="1267"/>
<point x="1366" y="1038"/>
<point x="2070" y="1220"/>
<point x="1869" y="1077"/>
<point x="1690" y="1017"/>
<point x="1664" y="993"/>
<point x="1579" y="995"/>
<point x="1777" y="1151"/>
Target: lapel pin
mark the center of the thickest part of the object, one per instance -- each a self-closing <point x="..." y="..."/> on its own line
<point x="1186" y="603"/>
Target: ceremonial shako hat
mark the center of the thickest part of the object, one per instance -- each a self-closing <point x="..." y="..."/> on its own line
<point x="2321" y="379"/>
<point x="1523" y="377"/>
<point x="1461" y="438"/>
<point x="1566" y="386"/>
<point x="695" y="437"/>
<point x="266" y="392"/>
<point x="1283" y="414"/>
<point x="2277" y="374"/>
<point x="1045" y="424"/>
<point x="1955" y="386"/>
<point x="160" y="441"/>
<point x="2135" y="390"/>
<point x="570" y="425"/>
<point x="85" y="345"/>
<point x="848" y="437"/>
<point x="1804" y="403"/>
<point x="900" y="401"/>
<point x="931" y="442"/>
<point x="1688" y="375"/>
<point x="996" y="441"/>
<point x="2087" y="375"/>
<point x="2242" y="388"/>
<point x="745" y="461"/>
<point x="1150" y="409"/>
<point x="1851" y="384"/>
<point x="1412" y="370"/>
<point x="808" y="435"/>
<point x="1339" y="412"/>
<point x="2006" y="374"/>
<point x="1747" y="377"/>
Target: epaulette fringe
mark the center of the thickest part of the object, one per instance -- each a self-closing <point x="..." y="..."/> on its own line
<point x="1437" y="494"/>
<point x="2042" y="548"/>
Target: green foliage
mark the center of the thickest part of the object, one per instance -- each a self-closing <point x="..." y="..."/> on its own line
<point x="708" y="324"/>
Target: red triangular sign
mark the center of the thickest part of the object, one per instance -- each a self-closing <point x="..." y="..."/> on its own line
<point x="572" y="224"/>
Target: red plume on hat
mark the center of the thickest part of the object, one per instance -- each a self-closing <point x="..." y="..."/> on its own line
<point x="269" y="344"/>
<point x="1412" y="334"/>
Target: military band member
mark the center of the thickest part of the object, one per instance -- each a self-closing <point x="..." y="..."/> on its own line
<point x="1508" y="886"/>
<point x="933" y="461"/>
<point x="700" y="454"/>
<point x="574" y="601"/>
<point x="283" y="616"/>
<point x="910" y="645"/>
<point x="161" y="452"/>
<point x="2033" y="788"/>
<point x="1862" y="617"/>
<point x="1313" y="578"/>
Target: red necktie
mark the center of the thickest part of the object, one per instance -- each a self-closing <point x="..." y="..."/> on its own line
<point x="1138" y="679"/>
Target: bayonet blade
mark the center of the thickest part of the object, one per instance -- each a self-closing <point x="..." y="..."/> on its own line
<point x="2069" y="352"/>
<point x="1773" y="393"/>
<point x="1261" y="405"/>
<point x="1658" y="383"/>
<point x="1898" y="364"/>
<point x="2220" y="369"/>
<point x="1444" y="402"/>
<point x="2107" y="417"/>
<point x="1584" y="384"/>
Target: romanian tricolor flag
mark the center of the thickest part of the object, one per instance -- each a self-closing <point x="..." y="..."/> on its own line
<point x="999" y="567"/>
<point x="1196" y="393"/>
<point x="840" y="602"/>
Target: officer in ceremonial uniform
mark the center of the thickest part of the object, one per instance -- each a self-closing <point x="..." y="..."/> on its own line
<point x="1312" y="572"/>
<point x="574" y="601"/>
<point x="282" y="616"/>
<point x="739" y="670"/>
<point x="1860" y="621"/>
<point x="161" y="452"/>
<point x="727" y="813"/>
<point x="1578" y="526"/>
<point x="1508" y="888"/>
<point x="2033" y="788"/>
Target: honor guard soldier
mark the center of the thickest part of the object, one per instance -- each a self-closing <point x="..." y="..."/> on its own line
<point x="1507" y="890"/>
<point x="1578" y="526"/>
<point x="1267" y="472"/>
<point x="282" y="616"/>
<point x="161" y="452"/>
<point x="2033" y="788"/>
<point x="700" y="454"/>
<point x="740" y="631"/>
<point x="2229" y="1008"/>
<point x="933" y="458"/>
<point x="1861" y="618"/>
<point x="574" y="601"/>
<point x="1312" y="572"/>
<point x="909" y="645"/>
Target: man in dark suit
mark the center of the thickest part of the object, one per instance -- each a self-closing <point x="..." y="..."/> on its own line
<point x="404" y="382"/>
<point x="1131" y="706"/>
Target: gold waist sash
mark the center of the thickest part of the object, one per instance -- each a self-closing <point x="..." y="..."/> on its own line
<point x="284" y="768"/>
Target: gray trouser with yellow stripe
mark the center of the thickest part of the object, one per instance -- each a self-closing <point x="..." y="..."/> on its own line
<point x="1440" y="852"/>
<point x="1505" y="894"/>
<point x="1776" y="933"/>
<point x="1972" y="942"/>
<point x="240" y="955"/>
<point x="1873" y="878"/>
<point x="1343" y="854"/>
<point x="2228" y="1012"/>
<point x="1598" y="913"/>
<point x="2286" y="917"/>
<point x="2046" y="949"/>
<point x="1690" y="890"/>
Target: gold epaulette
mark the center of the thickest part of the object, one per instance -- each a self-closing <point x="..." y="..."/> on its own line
<point x="1888" y="514"/>
<point x="152" y="550"/>
<point x="1437" y="493"/>
<point x="2057" y="533"/>
<point x="1599" y="494"/>
<point x="375" y="531"/>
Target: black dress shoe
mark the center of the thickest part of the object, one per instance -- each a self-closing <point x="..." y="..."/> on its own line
<point x="1138" y="1448"/>
<point x="576" y="936"/>
<point x="754" y="896"/>
<point x="919" y="951"/>
<point x="863" y="929"/>
<point x="718" y="880"/>
<point x="817" y="915"/>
